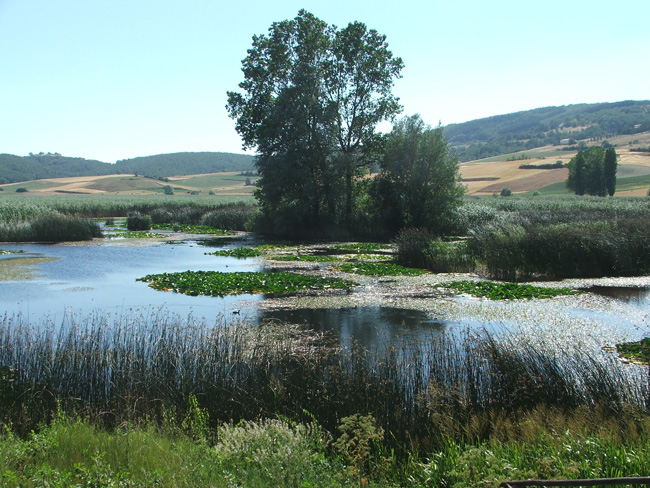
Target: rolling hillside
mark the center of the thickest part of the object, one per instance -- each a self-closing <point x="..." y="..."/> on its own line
<point x="53" y="165"/>
<point x="566" y="125"/>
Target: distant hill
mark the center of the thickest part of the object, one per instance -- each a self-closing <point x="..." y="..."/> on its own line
<point x="503" y="134"/>
<point x="53" y="165"/>
<point x="185" y="163"/>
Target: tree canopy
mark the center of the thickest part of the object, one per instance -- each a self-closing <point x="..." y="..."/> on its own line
<point x="310" y="101"/>
<point x="593" y="171"/>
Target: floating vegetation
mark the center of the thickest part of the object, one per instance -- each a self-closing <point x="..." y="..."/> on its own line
<point x="215" y="283"/>
<point x="360" y="247"/>
<point x="636" y="351"/>
<point x="191" y="229"/>
<point x="310" y="258"/>
<point x="507" y="291"/>
<point x="2" y="251"/>
<point x="136" y="235"/>
<point x="238" y="252"/>
<point x="379" y="269"/>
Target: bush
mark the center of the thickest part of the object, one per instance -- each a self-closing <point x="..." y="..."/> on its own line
<point x="506" y="192"/>
<point x="161" y="216"/>
<point x="136" y="221"/>
<point x="168" y="190"/>
<point x="21" y="190"/>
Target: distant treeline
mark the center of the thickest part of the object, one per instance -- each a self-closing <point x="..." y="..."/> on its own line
<point x="526" y="130"/>
<point x="640" y="149"/>
<point x="555" y="165"/>
<point x="53" y="165"/>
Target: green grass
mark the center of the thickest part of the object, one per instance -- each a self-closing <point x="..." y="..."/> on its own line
<point x="507" y="291"/>
<point x="214" y="283"/>
<point x="379" y="269"/>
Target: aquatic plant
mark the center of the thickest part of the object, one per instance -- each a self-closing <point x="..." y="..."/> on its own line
<point x="379" y="269"/>
<point x="238" y="252"/>
<point x="191" y="229"/>
<point x="636" y="350"/>
<point x="507" y="291"/>
<point x="215" y="283"/>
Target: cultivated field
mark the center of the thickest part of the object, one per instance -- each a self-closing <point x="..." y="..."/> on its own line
<point x="491" y="175"/>
<point x="482" y="177"/>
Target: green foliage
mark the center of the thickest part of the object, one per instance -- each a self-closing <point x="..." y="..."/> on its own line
<point x="507" y="291"/>
<point x="609" y="170"/>
<point x="379" y="269"/>
<point x="358" y="443"/>
<point x="191" y="229"/>
<point x="49" y="227"/>
<point x="238" y="252"/>
<point x="506" y="192"/>
<point x="168" y="190"/>
<point x="637" y="350"/>
<point x="230" y="217"/>
<point x="136" y="221"/>
<point x="21" y="190"/>
<point x="504" y="134"/>
<point x="419" y="183"/>
<point x="312" y="97"/>
<point x="214" y="283"/>
<point x="308" y="258"/>
<point x="589" y="174"/>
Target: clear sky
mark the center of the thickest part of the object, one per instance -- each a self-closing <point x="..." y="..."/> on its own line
<point x="116" y="79"/>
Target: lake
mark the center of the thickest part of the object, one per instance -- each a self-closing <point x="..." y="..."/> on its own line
<point x="48" y="282"/>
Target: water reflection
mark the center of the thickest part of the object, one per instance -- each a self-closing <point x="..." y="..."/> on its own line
<point x="629" y="294"/>
<point x="369" y="326"/>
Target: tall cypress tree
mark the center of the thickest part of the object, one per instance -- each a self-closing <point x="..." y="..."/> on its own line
<point x="609" y="170"/>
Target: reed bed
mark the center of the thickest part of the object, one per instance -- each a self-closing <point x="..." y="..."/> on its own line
<point x="136" y="368"/>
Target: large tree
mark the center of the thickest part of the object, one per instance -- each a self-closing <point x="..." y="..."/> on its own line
<point x="587" y="172"/>
<point x="419" y="184"/>
<point x="309" y="104"/>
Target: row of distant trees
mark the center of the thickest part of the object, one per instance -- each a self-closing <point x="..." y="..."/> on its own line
<point x="310" y="102"/>
<point x="593" y="172"/>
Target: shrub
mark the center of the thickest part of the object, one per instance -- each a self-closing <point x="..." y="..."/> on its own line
<point x="168" y="190"/>
<point x="21" y="190"/>
<point x="411" y="247"/>
<point x="137" y="221"/>
<point x="506" y="192"/>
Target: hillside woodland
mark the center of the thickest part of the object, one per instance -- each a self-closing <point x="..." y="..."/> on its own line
<point x="54" y="165"/>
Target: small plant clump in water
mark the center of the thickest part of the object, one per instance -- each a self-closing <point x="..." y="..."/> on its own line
<point x="238" y="252"/>
<point x="636" y="351"/>
<point x="136" y="235"/>
<point x="380" y="269"/>
<point x="191" y="229"/>
<point x="508" y="291"/>
<point x="215" y="283"/>
<point x="360" y="247"/>
<point x="310" y="258"/>
<point x="2" y="251"/>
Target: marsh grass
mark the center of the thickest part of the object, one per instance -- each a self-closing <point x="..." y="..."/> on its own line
<point x="50" y="227"/>
<point x="131" y="369"/>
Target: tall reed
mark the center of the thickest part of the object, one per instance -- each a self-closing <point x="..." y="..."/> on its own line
<point x="130" y="368"/>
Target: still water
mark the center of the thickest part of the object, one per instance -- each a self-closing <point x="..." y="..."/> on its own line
<point x="44" y="283"/>
<point x="84" y="279"/>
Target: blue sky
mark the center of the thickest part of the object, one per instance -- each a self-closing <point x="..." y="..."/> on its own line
<point x="116" y="79"/>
